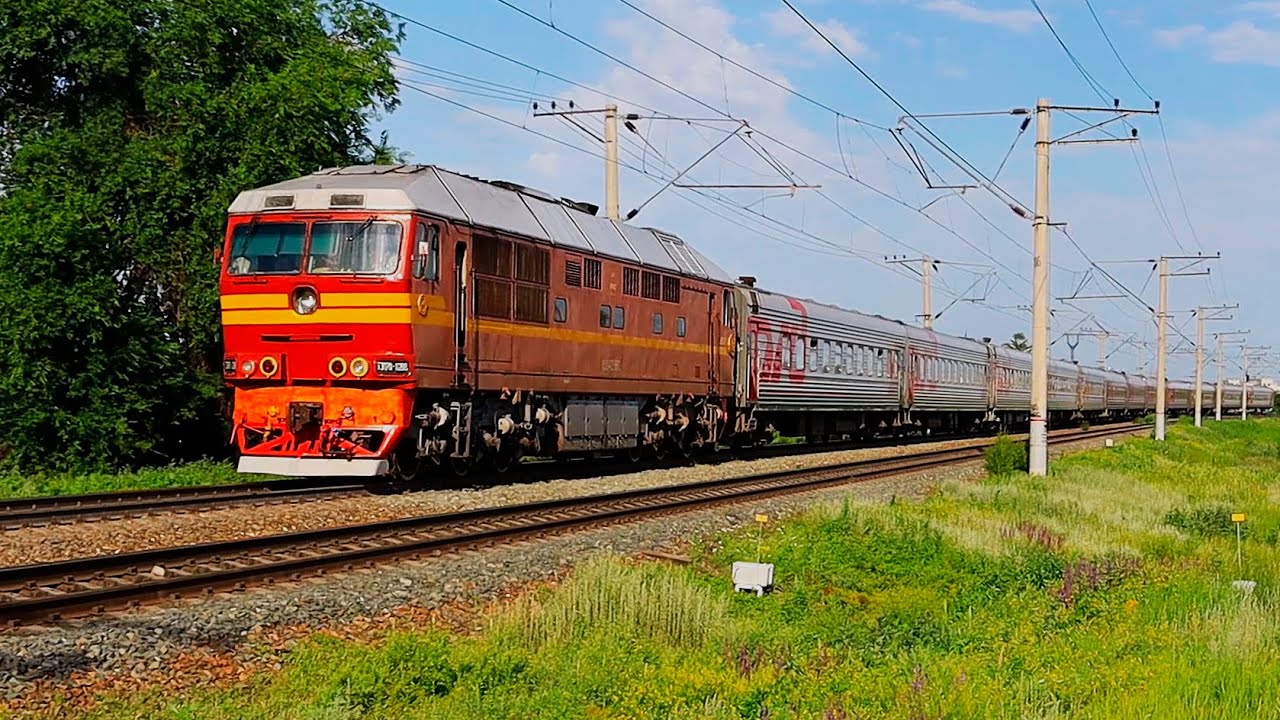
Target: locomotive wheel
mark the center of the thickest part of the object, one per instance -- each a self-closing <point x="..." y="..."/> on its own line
<point x="504" y="461"/>
<point x="461" y="467"/>
<point x="406" y="467"/>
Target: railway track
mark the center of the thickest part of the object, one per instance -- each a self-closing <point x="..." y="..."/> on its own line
<point x="18" y="513"/>
<point x="54" y="591"/>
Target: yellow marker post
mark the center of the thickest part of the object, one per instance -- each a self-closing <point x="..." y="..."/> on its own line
<point x="1238" y="519"/>
<point x="761" y="518"/>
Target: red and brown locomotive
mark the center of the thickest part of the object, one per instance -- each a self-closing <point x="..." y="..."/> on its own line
<point x="379" y="318"/>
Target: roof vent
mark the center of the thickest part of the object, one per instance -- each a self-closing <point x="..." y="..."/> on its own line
<point x="346" y="200"/>
<point x="581" y="206"/>
<point x="278" y="201"/>
<point x="747" y="280"/>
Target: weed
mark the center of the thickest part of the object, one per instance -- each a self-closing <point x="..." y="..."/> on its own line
<point x="1005" y="457"/>
<point x="1203" y="521"/>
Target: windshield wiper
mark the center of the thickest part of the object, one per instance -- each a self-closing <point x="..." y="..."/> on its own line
<point x="360" y="231"/>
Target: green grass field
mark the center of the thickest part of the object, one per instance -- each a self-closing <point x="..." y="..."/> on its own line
<point x="1102" y="591"/>
<point x="197" y="473"/>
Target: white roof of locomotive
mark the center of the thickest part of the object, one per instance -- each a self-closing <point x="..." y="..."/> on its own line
<point x="504" y="206"/>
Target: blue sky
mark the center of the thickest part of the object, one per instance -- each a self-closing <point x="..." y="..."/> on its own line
<point x="1212" y="65"/>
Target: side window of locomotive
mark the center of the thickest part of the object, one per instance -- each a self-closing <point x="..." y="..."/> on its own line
<point x="657" y="323"/>
<point x="561" y="310"/>
<point x="426" y="254"/>
<point x="259" y="248"/>
<point x="605" y="314"/>
<point x="619" y="317"/>
<point x="359" y="248"/>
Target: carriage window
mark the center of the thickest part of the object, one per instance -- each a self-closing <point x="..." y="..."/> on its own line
<point x="562" y="309"/>
<point x="261" y="248"/>
<point x="605" y="313"/>
<point x="657" y="323"/>
<point x="680" y="327"/>
<point x="630" y="281"/>
<point x="786" y="347"/>
<point x="619" y="317"/>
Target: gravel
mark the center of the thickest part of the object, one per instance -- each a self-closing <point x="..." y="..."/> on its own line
<point x="84" y="652"/>
<point x="110" y="537"/>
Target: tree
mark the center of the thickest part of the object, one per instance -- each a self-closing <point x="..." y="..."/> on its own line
<point x="1018" y="342"/>
<point x="129" y="127"/>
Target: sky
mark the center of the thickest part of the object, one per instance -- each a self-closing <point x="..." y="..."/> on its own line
<point x="840" y="182"/>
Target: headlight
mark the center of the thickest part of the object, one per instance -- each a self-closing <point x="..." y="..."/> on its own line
<point x="246" y="367"/>
<point x="359" y="367"/>
<point x="305" y="301"/>
<point x="268" y="366"/>
<point x="337" y="367"/>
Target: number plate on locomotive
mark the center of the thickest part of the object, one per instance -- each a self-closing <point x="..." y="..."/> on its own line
<point x="392" y="367"/>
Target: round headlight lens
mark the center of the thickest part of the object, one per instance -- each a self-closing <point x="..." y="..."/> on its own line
<point x="268" y="366"/>
<point x="305" y="301"/>
<point x="246" y="367"/>
<point x="337" y="367"/>
<point x="359" y="367"/>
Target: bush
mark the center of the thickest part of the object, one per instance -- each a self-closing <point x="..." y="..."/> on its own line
<point x="1005" y="456"/>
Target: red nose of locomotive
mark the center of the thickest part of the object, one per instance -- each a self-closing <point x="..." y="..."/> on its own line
<point x="318" y="328"/>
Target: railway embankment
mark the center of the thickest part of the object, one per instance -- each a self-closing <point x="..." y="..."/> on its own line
<point x="1109" y="589"/>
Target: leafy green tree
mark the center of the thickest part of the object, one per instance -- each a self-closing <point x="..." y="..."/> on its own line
<point x="128" y="127"/>
<point x="1018" y="342"/>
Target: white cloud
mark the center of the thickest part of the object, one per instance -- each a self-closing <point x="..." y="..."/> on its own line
<point x="1015" y="20"/>
<point x="784" y="23"/>
<point x="1179" y="36"/>
<point x="1267" y="7"/>
<point x="546" y="164"/>
<point x="1241" y="42"/>
<point x="1244" y="42"/>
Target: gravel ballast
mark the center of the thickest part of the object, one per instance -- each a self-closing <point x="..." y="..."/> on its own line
<point x="142" y="641"/>
<point x="110" y="537"/>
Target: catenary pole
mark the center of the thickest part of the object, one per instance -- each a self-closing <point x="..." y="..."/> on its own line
<point x="1162" y="322"/>
<point x="1038" y="454"/>
<point x="611" y="161"/>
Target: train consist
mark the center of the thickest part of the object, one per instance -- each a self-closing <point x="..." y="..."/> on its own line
<point x="389" y="319"/>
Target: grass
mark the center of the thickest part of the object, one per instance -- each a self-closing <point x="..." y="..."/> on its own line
<point x="1100" y="591"/>
<point x="196" y="473"/>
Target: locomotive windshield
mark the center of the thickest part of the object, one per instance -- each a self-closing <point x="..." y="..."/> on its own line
<point x="337" y="248"/>
<point x="355" y="247"/>
<point x="262" y="248"/>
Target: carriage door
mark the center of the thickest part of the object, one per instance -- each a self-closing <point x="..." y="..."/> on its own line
<point x="461" y="306"/>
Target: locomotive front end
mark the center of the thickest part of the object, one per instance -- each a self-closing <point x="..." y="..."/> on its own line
<point x="317" y="320"/>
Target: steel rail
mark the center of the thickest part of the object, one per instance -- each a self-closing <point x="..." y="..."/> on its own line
<point x="16" y="513"/>
<point x="51" y="591"/>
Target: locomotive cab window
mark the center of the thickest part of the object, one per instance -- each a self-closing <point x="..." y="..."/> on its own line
<point x="657" y="323"/>
<point x="260" y="248"/>
<point x="561" y="310"/>
<point x="357" y="248"/>
<point x="680" y="326"/>
<point x="605" y="314"/>
<point x="619" y="317"/>
<point x="426" y="257"/>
